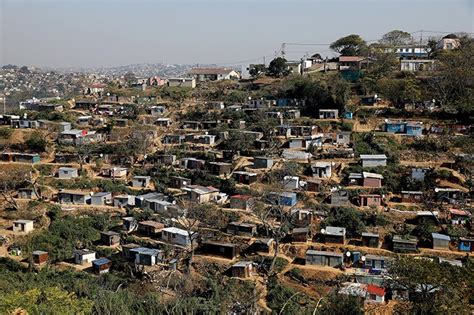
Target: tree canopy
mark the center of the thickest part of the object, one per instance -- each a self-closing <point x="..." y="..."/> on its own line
<point x="277" y="67"/>
<point x="454" y="83"/>
<point x="396" y="38"/>
<point x="432" y="288"/>
<point x="350" y="45"/>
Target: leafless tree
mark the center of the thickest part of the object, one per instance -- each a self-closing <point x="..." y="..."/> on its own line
<point x="10" y="181"/>
<point x="273" y="213"/>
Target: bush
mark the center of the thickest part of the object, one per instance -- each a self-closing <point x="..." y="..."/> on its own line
<point x="5" y="133"/>
<point x="286" y="300"/>
<point x="36" y="142"/>
<point x="347" y="218"/>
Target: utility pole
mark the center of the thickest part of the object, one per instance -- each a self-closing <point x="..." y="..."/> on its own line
<point x="282" y="52"/>
<point x="264" y="60"/>
<point x="5" y="103"/>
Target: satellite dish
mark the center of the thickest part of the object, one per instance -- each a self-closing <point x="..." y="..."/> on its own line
<point x="363" y="258"/>
<point x="323" y="231"/>
<point x="348" y="254"/>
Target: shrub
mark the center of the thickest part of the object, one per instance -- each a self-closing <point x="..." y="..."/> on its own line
<point x="5" y="133"/>
<point x="345" y="217"/>
<point x="36" y="142"/>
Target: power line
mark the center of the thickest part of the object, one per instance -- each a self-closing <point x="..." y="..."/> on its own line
<point x="439" y="32"/>
<point x="243" y="61"/>
<point x="282" y="51"/>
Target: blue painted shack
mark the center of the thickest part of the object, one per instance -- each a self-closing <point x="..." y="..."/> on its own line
<point x="395" y="126"/>
<point x="414" y="129"/>
<point x="284" y="198"/>
<point x="466" y="244"/>
<point x="101" y="265"/>
<point x="368" y="100"/>
<point x="375" y="262"/>
<point x="282" y="102"/>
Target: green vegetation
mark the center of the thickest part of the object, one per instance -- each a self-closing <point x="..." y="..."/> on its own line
<point x="318" y="92"/>
<point x="278" y="67"/>
<point x="50" y="300"/>
<point x="284" y="300"/>
<point x="341" y="304"/>
<point x="5" y="132"/>
<point x="350" y="45"/>
<point x="36" y="142"/>
<point x="68" y="233"/>
<point x="346" y="217"/>
<point x="433" y="287"/>
<point x="85" y="183"/>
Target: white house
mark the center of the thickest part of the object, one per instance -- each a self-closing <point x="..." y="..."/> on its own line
<point x="292" y="182"/>
<point x="83" y="256"/>
<point x="175" y="236"/>
<point x="67" y="172"/>
<point x="25" y="226"/>
<point x="182" y="82"/>
<point x="328" y="113"/>
<point x="448" y="42"/>
<point x="322" y="169"/>
<point x="213" y="74"/>
<point x="414" y="65"/>
<point x="373" y="160"/>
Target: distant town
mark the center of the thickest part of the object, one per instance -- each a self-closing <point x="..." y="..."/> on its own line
<point x="337" y="184"/>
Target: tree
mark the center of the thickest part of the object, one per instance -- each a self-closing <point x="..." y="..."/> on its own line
<point x="273" y="214"/>
<point x="432" y="288"/>
<point x="329" y="91"/>
<point x="278" y="68"/>
<point x="285" y="300"/>
<point x="257" y="69"/>
<point x="51" y="300"/>
<point x="396" y="38"/>
<point x="10" y="181"/>
<point x="383" y="65"/>
<point x="196" y="217"/>
<point x="136" y="144"/>
<point x="405" y="87"/>
<point x="453" y="84"/>
<point x="66" y="234"/>
<point x="351" y="45"/>
<point x="238" y="142"/>
<point x="347" y="218"/>
<point x="340" y="304"/>
<point x="129" y="78"/>
<point x="36" y="142"/>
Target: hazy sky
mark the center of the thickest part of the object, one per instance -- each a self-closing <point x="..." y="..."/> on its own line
<point x="118" y="32"/>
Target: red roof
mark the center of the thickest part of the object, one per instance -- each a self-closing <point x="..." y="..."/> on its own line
<point x="459" y="212"/>
<point x="98" y="85"/>
<point x="373" y="289"/>
<point x="350" y="58"/>
<point x="243" y="197"/>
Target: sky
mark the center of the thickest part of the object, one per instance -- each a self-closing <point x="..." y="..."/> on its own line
<point x="91" y="33"/>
